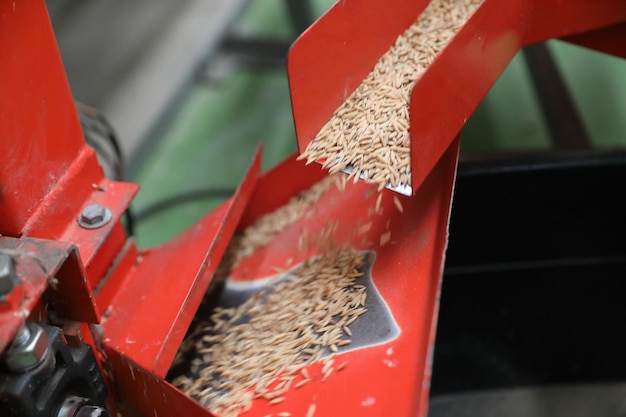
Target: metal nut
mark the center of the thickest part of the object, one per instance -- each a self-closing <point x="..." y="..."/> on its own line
<point x="94" y="216"/>
<point x="8" y="276"/>
<point x="28" y="348"/>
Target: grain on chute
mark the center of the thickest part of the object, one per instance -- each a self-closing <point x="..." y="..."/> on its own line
<point x="369" y="133"/>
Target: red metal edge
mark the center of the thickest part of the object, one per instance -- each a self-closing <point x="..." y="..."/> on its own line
<point x="331" y="58"/>
<point x="548" y="19"/>
<point x="45" y="266"/>
<point x="450" y="159"/>
<point x="448" y="92"/>
<point x="117" y="273"/>
<point x="275" y="188"/>
<point x="167" y="283"/>
<point x="145" y="394"/>
<point x="610" y="40"/>
<point x="41" y="135"/>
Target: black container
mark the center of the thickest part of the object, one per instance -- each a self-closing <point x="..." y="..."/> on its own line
<point x="534" y="289"/>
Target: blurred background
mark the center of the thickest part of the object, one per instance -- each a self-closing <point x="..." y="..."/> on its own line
<point x="191" y="87"/>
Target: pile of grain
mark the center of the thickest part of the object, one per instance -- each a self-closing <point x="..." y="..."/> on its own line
<point x="370" y="131"/>
<point x="260" y="349"/>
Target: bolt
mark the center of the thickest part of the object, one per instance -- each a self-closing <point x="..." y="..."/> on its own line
<point x="94" y="216"/>
<point x="28" y="349"/>
<point x="74" y="406"/>
<point x="8" y="277"/>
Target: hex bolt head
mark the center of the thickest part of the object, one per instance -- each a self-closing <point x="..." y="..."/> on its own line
<point x="94" y="216"/>
<point x="29" y="348"/>
<point x="8" y="276"/>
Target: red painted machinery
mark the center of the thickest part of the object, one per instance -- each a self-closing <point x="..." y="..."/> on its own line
<point x="89" y="322"/>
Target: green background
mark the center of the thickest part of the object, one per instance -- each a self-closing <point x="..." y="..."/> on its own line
<point x="218" y="125"/>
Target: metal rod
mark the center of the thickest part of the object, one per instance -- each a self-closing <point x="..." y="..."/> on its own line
<point x="567" y="129"/>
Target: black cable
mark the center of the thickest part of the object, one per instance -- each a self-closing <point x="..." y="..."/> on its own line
<point x="182" y="198"/>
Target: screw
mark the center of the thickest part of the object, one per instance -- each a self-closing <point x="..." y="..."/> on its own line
<point x="8" y="277"/>
<point x="94" y="216"/>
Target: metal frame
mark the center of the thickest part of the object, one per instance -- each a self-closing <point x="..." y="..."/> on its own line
<point x="104" y="292"/>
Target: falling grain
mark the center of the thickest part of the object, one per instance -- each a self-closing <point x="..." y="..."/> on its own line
<point x="363" y="229"/>
<point x="385" y="238"/>
<point x="302" y="383"/>
<point x="327" y="374"/>
<point x="311" y="411"/>
<point x="398" y="204"/>
<point x="277" y="400"/>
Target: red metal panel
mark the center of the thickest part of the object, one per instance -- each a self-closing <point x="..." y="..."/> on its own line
<point x="151" y="312"/>
<point x="114" y="279"/>
<point x="39" y="128"/>
<point x="445" y="96"/>
<point x="144" y="394"/>
<point x="274" y="188"/>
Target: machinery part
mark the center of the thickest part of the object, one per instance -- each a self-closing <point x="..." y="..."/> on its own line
<point x="47" y="267"/>
<point x="8" y="277"/>
<point x="101" y="137"/>
<point x="354" y="34"/>
<point x="567" y="128"/>
<point x="43" y="390"/>
<point x="28" y="350"/>
<point x="94" y="216"/>
<point x="75" y="406"/>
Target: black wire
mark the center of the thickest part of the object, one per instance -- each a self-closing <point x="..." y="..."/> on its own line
<point x="182" y="198"/>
